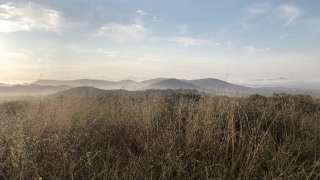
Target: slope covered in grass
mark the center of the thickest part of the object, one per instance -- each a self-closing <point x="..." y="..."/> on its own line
<point x="181" y="135"/>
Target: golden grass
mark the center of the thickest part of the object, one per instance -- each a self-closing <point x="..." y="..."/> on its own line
<point x="161" y="136"/>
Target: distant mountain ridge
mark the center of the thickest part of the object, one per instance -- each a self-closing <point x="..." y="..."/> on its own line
<point x="204" y="85"/>
<point x="101" y="84"/>
<point x="78" y="82"/>
<point x="172" y="84"/>
<point x="208" y="85"/>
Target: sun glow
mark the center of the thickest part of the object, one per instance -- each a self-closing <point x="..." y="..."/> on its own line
<point x="4" y="26"/>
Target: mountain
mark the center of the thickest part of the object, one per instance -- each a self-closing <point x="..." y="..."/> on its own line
<point x="84" y="91"/>
<point x="173" y="84"/>
<point x="153" y="81"/>
<point x="204" y="85"/>
<point x="209" y="85"/>
<point x="76" y="83"/>
<point x="219" y="86"/>
<point x="101" y="84"/>
<point x="126" y="85"/>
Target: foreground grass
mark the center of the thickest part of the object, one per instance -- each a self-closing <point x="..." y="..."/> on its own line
<point x="161" y="136"/>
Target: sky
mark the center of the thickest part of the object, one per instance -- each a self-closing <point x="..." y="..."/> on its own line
<point x="232" y="40"/>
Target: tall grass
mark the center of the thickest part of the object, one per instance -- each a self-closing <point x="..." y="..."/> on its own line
<point x="161" y="136"/>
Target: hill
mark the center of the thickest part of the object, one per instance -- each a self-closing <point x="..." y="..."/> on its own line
<point x="84" y="91"/>
<point x="208" y="85"/>
<point x="153" y="81"/>
<point x="219" y="86"/>
<point x="173" y="84"/>
<point x="76" y="83"/>
<point x="101" y="84"/>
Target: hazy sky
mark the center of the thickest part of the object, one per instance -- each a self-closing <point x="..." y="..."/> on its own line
<point x="234" y="40"/>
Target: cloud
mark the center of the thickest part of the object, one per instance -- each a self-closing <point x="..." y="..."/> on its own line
<point x="187" y="41"/>
<point x="265" y="49"/>
<point x="289" y="13"/>
<point x="122" y="32"/>
<point x="9" y="54"/>
<point x="217" y="44"/>
<point x="28" y="16"/>
<point x="268" y="13"/>
<point x="142" y="13"/>
<point x="253" y="49"/>
<point x="257" y="10"/>
<point x="250" y="49"/>
<point x="109" y="53"/>
<point x="252" y="12"/>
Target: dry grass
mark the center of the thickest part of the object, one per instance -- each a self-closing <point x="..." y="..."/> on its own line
<point x="161" y="136"/>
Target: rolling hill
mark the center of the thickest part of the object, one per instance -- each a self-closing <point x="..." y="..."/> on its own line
<point x="75" y="83"/>
<point x="153" y="81"/>
<point x="208" y="85"/>
<point x="83" y="91"/>
<point x="219" y="86"/>
<point x="101" y="84"/>
<point x="173" y="84"/>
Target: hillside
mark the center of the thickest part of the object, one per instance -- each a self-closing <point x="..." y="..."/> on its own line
<point x="219" y="86"/>
<point x="153" y="81"/>
<point x="163" y="134"/>
<point x="84" y="91"/>
<point x="173" y="84"/>
<point x="101" y="84"/>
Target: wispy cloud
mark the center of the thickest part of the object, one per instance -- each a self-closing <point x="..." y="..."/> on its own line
<point x="252" y="12"/>
<point x="28" y="16"/>
<point x="257" y="9"/>
<point x="109" y="53"/>
<point x="122" y="32"/>
<point x="253" y="49"/>
<point x="265" y="49"/>
<point x="250" y="49"/>
<point x="217" y="44"/>
<point x="187" y="41"/>
<point x="289" y="13"/>
<point x="140" y="12"/>
<point x="266" y="12"/>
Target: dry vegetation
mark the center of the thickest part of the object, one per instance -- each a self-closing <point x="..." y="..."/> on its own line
<point x="161" y="136"/>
